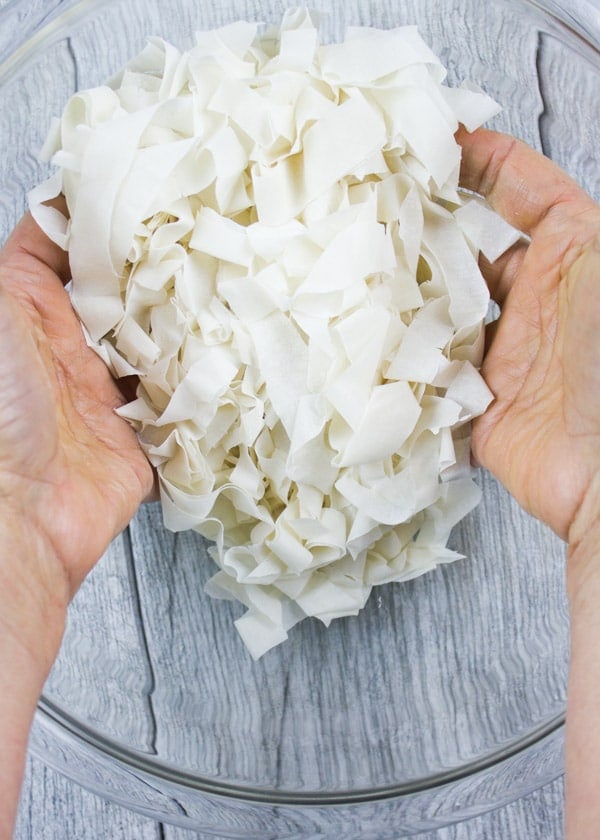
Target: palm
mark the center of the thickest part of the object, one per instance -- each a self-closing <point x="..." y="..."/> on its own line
<point x="73" y="461"/>
<point x="541" y="435"/>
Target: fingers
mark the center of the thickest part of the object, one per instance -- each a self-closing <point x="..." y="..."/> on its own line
<point x="29" y="240"/>
<point x="519" y="183"/>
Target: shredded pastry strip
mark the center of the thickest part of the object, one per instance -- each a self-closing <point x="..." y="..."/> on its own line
<point x="267" y="231"/>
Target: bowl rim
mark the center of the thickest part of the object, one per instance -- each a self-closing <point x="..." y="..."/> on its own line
<point x="225" y="816"/>
<point x="49" y="713"/>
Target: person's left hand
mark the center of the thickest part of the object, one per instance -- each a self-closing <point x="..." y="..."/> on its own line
<point x="71" y="469"/>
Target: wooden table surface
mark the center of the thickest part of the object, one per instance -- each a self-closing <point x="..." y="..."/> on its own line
<point x="53" y="807"/>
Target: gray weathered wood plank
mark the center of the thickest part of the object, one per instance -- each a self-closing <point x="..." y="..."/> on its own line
<point x="53" y="807"/>
<point x="104" y="636"/>
<point x="562" y="103"/>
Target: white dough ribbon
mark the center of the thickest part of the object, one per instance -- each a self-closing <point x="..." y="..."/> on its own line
<point x="267" y="231"/>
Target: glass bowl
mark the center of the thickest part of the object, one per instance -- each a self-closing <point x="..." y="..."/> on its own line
<point x="445" y="696"/>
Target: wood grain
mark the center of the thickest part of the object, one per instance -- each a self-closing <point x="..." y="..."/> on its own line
<point x="53" y="807"/>
<point x="579" y="154"/>
<point x="118" y="702"/>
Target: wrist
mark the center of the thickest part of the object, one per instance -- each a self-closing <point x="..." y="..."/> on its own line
<point x="33" y="598"/>
<point x="34" y="590"/>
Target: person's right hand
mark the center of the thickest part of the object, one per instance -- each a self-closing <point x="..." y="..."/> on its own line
<point x="541" y="436"/>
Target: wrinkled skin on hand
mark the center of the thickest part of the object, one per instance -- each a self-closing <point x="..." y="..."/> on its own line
<point x="541" y="436"/>
<point x="70" y="468"/>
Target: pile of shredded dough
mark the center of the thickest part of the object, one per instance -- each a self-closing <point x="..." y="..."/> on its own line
<point x="267" y="231"/>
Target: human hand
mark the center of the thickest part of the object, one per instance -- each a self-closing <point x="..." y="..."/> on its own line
<point x="541" y="436"/>
<point x="70" y="468"/>
<point x="71" y="476"/>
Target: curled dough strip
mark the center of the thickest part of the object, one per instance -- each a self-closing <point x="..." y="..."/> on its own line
<point x="267" y="230"/>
